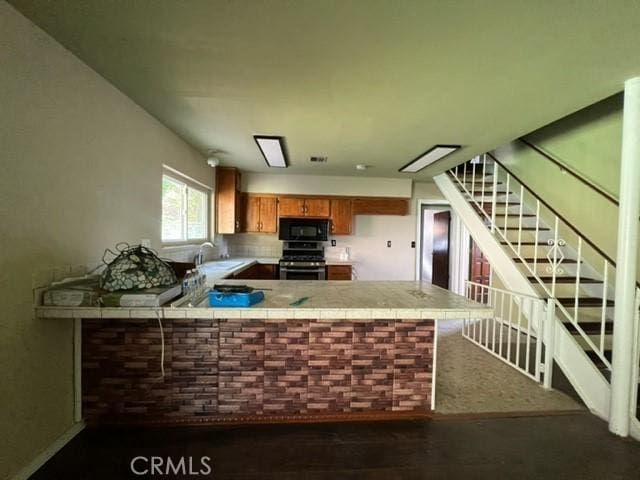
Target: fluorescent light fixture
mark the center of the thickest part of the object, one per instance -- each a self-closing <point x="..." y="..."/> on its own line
<point x="272" y="149"/>
<point x="432" y="155"/>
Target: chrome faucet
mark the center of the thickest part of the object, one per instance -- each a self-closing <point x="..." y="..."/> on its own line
<point x="199" y="256"/>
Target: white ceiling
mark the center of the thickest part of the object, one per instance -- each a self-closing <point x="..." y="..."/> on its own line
<point x="376" y="82"/>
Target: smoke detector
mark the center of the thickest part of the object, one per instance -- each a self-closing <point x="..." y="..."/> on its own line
<point x="319" y="159"/>
<point x="212" y="158"/>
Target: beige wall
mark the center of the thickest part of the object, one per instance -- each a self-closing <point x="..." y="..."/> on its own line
<point x="325" y="185"/>
<point x="81" y="170"/>
<point x="368" y="244"/>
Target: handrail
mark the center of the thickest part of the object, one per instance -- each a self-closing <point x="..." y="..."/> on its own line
<point x="555" y="212"/>
<point x="571" y="171"/>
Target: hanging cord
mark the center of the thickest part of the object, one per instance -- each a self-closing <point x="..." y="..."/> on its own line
<point x="161" y="343"/>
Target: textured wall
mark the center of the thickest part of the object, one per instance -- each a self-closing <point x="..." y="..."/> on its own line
<point x="241" y="367"/>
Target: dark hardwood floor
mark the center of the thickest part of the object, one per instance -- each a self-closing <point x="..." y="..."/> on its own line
<point x="555" y="447"/>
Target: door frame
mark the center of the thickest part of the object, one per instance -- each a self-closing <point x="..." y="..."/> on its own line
<point x="458" y="246"/>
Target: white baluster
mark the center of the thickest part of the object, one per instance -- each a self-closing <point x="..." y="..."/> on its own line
<point x="494" y="197"/>
<point x="540" y="326"/>
<point x="473" y="181"/>
<point x="464" y="174"/>
<point x="577" y="292"/>
<point x="484" y="175"/>
<point x="510" y="328"/>
<point x="603" y="318"/>
<point x="506" y="209"/>
<point x="520" y="218"/>
<point x="555" y="258"/>
<point x="549" y="342"/>
<point x="535" y="239"/>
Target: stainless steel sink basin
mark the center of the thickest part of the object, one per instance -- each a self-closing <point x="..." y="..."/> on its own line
<point x="223" y="265"/>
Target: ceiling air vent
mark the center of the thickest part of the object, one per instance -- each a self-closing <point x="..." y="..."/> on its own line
<point x="318" y="159"/>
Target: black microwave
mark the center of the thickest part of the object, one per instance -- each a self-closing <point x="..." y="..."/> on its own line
<point x="303" y="230"/>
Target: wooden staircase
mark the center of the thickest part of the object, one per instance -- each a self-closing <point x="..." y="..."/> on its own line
<point x="529" y="239"/>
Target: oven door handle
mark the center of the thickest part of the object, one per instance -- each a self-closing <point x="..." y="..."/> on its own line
<point x="302" y="270"/>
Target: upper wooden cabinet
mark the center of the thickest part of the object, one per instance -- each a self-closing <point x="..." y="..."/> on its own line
<point x="229" y="213"/>
<point x="261" y="214"/>
<point x="380" y="206"/>
<point x="304" y="207"/>
<point x="341" y="216"/>
<point x="290" y="207"/>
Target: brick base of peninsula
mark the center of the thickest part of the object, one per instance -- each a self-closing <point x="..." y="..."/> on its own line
<point x="256" y="370"/>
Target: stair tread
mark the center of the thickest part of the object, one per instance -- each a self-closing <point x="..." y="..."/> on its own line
<point x="564" y="279"/>
<point x="528" y="229"/>
<point x="589" y="328"/>
<point x="583" y="302"/>
<point x="543" y="260"/>
<point x="595" y="357"/>
<point x="526" y="243"/>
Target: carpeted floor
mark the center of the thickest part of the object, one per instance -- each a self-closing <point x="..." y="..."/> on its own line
<point x="470" y="380"/>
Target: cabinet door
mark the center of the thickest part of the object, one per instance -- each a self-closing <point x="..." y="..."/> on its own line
<point x="227" y="200"/>
<point x="268" y="215"/>
<point x="339" y="272"/>
<point x="317" y="207"/>
<point x="380" y="206"/>
<point x="290" y="207"/>
<point x="252" y="215"/>
<point x="341" y="217"/>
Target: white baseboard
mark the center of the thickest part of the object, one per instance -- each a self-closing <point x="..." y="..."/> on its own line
<point x="48" y="452"/>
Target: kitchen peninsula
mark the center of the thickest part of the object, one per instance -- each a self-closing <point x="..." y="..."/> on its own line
<point x="311" y="351"/>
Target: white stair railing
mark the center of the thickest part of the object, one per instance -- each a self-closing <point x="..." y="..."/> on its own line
<point x="514" y="332"/>
<point x="583" y="285"/>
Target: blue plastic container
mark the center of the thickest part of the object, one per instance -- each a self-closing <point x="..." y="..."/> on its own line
<point x="220" y="299"/>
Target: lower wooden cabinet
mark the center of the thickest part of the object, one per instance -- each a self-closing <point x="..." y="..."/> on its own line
<point x="259" y="271"/>
<point x="339" y="272"/>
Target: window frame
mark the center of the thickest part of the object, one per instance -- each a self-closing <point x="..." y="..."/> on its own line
<point x="188" y="183"/>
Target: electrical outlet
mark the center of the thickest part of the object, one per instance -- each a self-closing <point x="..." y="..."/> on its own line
<point x="333" y="243"/>
<point x="389" y="243"/>
<point x="413" y="244"/>
<point x="146" y="242"/>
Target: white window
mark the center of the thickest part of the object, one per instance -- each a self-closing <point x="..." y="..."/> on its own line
<point x="185" y="210"/>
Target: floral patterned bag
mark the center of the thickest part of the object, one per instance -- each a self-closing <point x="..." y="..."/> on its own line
<point x="135" y="268"/>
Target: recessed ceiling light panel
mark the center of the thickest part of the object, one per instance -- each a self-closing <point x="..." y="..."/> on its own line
<point x="432" y="155"/>
<point x="273" y="150"/>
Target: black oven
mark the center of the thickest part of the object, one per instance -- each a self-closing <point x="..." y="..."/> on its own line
<point x="302" y="271"/>
<point x="303" y="230"/>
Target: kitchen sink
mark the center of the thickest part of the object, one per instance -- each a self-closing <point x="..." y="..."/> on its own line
<point x="224" y="265"/>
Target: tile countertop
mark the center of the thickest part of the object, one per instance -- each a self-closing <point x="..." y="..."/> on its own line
<point x="326" y="300"/>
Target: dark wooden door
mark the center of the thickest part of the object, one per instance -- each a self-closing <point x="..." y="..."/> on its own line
<point x="440" y="264"/>
<point x="479" y="272"/>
